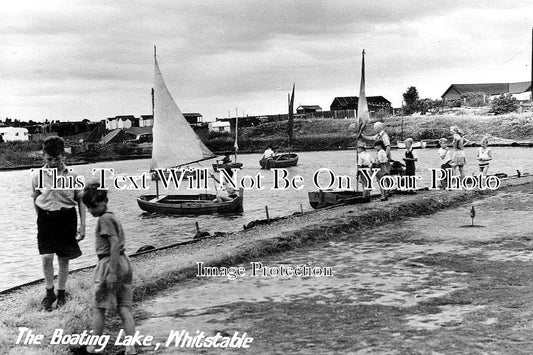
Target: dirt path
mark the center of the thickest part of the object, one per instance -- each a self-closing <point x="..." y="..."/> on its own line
<point x="428" y="285"/>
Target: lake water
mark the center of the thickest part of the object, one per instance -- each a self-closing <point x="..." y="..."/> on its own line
<point x="20" y="260"/>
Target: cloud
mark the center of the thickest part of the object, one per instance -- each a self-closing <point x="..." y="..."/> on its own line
<point x="221" y="53"/>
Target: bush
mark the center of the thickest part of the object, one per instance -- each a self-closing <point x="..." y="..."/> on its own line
<point x="504" y="104"/>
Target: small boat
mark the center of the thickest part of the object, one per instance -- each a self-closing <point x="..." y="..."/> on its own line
<point x="175" y="145"/>
<point x="416" y="145"/>
<point x="227" y="166"/>
<point x="322" y="199"/>
<point x="231" y="165"/>
<point x="284" y="160"/>
<point x="189" y="204"/>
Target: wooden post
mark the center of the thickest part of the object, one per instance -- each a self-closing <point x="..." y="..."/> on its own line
<point x="266" y="211"/>
<point x="197" y="227"/>
<point x="301" y="208"/>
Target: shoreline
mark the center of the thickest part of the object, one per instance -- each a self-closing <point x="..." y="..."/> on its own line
<point x="516" y="144"/>
<point x="157" y="271"/>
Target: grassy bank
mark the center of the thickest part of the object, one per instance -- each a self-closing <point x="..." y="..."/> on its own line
<point x="157" y="271"/>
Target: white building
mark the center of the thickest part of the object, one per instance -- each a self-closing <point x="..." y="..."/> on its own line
<point x="220" y="126"/>
<point x="10" y="134"/>
<point x="122" y="122"/>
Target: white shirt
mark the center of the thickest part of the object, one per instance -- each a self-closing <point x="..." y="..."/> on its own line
<point x="269" y="153"/>
<point x="364" y="159"/>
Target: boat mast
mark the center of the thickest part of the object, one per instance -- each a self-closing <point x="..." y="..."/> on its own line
<point x="236" y="125"/>
<point x="153" y="118"/>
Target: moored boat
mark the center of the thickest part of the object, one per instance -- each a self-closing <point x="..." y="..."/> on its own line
<point x="189" y="204"/>
<point x="321" y="198"/>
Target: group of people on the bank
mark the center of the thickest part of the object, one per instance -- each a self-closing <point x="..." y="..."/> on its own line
<point x="452" y="155"/>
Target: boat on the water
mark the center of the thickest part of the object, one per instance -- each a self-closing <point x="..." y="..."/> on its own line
<point x="416" y="145"/>
<point x="188" y="204"/>
<point x="323" y="198"/>
<point x="226" y="166"/>
<point x="281" y="160"/>
<point x="284" y="160"/>
<point x="176" y="145"/>
<point x="220" y="164"/>
<point x="327" y="198"/>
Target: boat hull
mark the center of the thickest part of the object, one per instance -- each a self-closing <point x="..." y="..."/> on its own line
<point x="283" y="160"/>
<point x="321" y="199"/>
<point x="188" y="204"/>
<point x="228" y="166"/>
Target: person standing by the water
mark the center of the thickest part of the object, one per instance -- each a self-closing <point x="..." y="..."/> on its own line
<point x="459" y="157"/>
<point x="383" y="164"/>
<point x="445" y="156"/>
<point x="56" y="219"/>
<point x="113" y="274"/>
<point x="381" y="135"/>
<point x="410" y="158"/>
<point x="364" y="161"/>
<point x="484" y="156"/>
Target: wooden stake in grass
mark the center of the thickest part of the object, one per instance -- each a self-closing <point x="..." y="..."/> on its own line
<point x="197" y="226"/>
<point x="266" y="211"/>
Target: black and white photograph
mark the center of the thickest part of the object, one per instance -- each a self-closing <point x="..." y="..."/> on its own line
<point x="266" y="177"/>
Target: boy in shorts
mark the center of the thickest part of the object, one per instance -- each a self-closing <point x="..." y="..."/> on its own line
<point x="56" y="218"/>
<point x="113" y="274"/>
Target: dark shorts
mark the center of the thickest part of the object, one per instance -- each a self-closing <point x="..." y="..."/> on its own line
<point x="122" y="296"/>
<point x="56" y="233"/>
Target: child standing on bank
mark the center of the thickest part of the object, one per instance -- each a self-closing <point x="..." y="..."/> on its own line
<point x="382" y="162"/>
<point x="364" y="161"/>
<point x="484" y="156"/>
<point x="57" y="230"/>
<point x="410" y="158"/>
<point x="113" y="274"/>
<point x="445" y="155"/>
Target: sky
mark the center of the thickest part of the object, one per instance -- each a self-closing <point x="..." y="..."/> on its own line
<point x="91" y="59"/>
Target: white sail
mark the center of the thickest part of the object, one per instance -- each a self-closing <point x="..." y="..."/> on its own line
<point x="174" y="141"/>
<point x="363" y="115"/>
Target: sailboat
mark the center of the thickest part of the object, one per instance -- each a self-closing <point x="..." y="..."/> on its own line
<point x="176" y="145"/>
<point x="284" y="160"/>
<point x="323" y="198"/>
<point x="231" y="165"/>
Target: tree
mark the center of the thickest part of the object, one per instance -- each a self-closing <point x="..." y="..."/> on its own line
<point x="504" y="104"/>
<point x="411" y="100"/>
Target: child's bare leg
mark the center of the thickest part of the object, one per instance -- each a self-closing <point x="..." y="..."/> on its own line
<point x="48" y="270"/>
<point x="62" y="273"/>
<point x="129" y="325"/>
<point x="98" y="325"/>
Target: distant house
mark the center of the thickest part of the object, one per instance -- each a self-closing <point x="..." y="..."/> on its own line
<point x="10" y="134"/>
<point x="303" y="109"/>
<point x="220" y="126"/>
<point x="457" y="91"/>
<point x="122" y="122"/>
<point x="346" y="107"/>
<point x="146" y="121"/>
